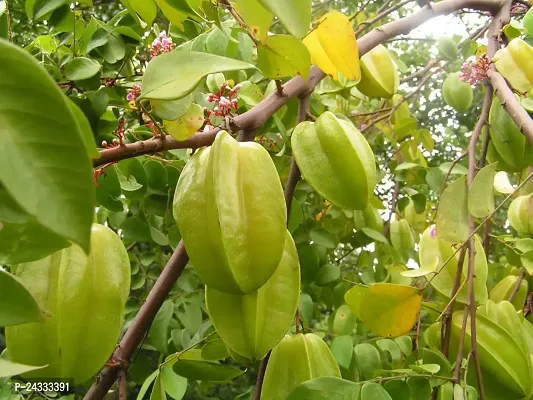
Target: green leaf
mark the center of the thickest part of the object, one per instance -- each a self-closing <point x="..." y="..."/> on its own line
<point x="85" y="129"/>
<point x="250" y="93"/>
<point x="452" y="217"/>
<point x="174" y="75"/>
<point x="17" y="305"/>
<point x="328" y="274"/>
<point x="458" y="169"/>
<point x="256" y="16"/>
<point x="368" y="360"/>
<point x="296" y="217"/>
<point x="215" y="350"/>
<point x="385" y="308"/>
<point x="9" y="368"/>
<point x="147" y="10"/>
<point x="27" y="241"/>
<point x="146" y="384"/>
<point x="326" y="387"/>
<point x="341" y="347"/>
<point x="481" y="193"/>
<point x="114" y="49"/>
<point x="527" y="22"/>
<point x="373" y="234"/>
<point x="196" y="370"/>
<point x="191" y="317"/>
<point x="171" y="10"/>
<point x="323" y="237"/>
<point x="295" y="15"/>
<point x="374" y="391"/>
<point x="44" y="163"/>
<point x="281" y="56"/>
<point x="426" y="368"/>
<point x="172" y="110"/>
<point x="420" y="388"/>
<point x="108" y="191"/>
<point x="158" y="334"/>
<point x="42" y="7"/>
<point x="158" y="391"/>
<point x="405" y="343"/>
<point x="389" y="346"/>
<point x="22" y="238"/>
<point x="81" y="68"/>
<point x="406" y="165"/>
<point x="306" y="308"/>
<point x="186" y="125"/>
<point x="398" y="390"/>
<point x="174" y="385"/>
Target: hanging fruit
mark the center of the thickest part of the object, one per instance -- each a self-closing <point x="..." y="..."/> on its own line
<point x="335" y="158"/>
<point x="254" y="323"/>
<point x="456" y="93"/>
<point x="505" y="363"/>
<point x="504" y="289"/>
<point x="294" y="360"/>
<point x="515" y="63"/>
<point x="85" y="296"/>
<point x="520" y="214"/>
<point x="230" y="210"/>
<point x="508" y="141"/>
<point x="379" y="74"/>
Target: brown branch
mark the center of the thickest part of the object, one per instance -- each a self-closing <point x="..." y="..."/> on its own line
<point x="394" y="200"/>
<point x="123" y="386"/>
<point x="365" y="24"/>
<point x="362" y="8"/>
<point x="448" y="312"/>
<point x="137" y="331"/>
<point x="257" y="116"/>
<point x="516" y="289"/>
<point x="237" y="16"/>
<point x="470" y="308"/>
<point x="435" y="61"/>
<point x="261" y="376"/>
<point x="454" y="163"/>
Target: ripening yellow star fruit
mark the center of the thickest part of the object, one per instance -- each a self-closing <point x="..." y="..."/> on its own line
<point x="515" y="63"/>
<point x="333" y="47"/>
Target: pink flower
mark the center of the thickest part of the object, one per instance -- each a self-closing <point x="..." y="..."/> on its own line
<point x="433" y="232"/>
<point x="134" y="92"/>
<point x="161" y="44"/>
<point x="475" y="73"/>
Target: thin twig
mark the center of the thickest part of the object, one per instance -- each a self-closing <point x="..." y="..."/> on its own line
<point x="448" y="311"/>
<point x="365" y="24"/>
<point x="516" y="289"/>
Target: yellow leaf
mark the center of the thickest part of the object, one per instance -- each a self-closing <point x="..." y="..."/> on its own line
<point x="385" y="308"/>
<point x="319" y="56"/>
<point x="337" y="37"/>
<point x="186" y="125"/>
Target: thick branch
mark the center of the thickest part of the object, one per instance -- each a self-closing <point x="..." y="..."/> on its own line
<point x="296" y="87"/>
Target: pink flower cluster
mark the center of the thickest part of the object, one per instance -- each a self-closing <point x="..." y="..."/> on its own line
<point x="225" y="104"/>
<point x="161" y="44"/>
<point x="476" y="72"/>
<point x="134" y="92"/>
